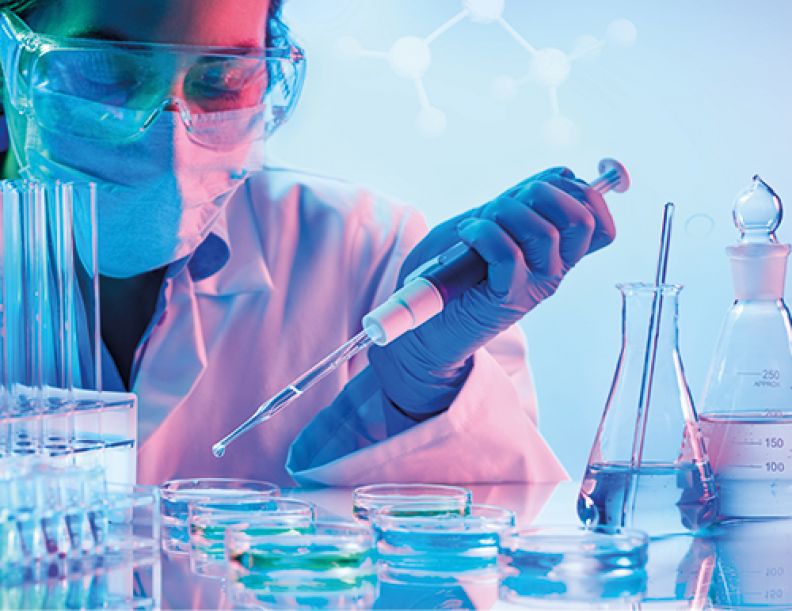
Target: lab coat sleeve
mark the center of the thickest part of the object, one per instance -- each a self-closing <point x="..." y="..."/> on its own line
<point x="488" y="434"/>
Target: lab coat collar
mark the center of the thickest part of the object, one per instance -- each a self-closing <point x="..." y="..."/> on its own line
<point x="231" y="260"/>
<point x="210" y="256"/>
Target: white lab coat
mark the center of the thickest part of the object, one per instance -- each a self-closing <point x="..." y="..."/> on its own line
<point x="289" y="270"/>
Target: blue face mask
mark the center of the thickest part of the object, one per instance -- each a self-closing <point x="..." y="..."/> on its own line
<point x="158" y="195"/>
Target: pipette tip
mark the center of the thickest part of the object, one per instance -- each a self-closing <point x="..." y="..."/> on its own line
<point x="218" y="450"/>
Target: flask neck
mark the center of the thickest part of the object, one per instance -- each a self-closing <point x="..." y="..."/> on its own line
<point x="758" y="271"/>
<point x="648" y="311"/>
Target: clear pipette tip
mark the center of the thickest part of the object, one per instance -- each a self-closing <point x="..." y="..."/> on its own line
<point x="264" y="412"/>
<point x="295" y="389"/>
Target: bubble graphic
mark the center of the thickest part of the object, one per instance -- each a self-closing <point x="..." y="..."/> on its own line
<point x="699" y="225"/>
<point x="622" y="33"/>
<point x="485" y="11"/>
<point x="550" y="67"/>
<point x="410" y="57"/>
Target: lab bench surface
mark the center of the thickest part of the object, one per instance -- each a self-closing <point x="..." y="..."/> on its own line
<point x="751" y="567"/>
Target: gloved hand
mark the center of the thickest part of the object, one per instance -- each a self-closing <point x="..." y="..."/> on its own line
<point x="530" y="237"/>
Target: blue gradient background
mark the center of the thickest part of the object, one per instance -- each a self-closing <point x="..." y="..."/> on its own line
<point x="699" y="104"/>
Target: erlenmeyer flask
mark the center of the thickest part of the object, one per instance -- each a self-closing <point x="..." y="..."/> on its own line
<point x="648" y="468"/>
<point x="746" y="407"/>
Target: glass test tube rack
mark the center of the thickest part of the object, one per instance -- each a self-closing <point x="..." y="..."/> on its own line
<point x="70" y="515"/>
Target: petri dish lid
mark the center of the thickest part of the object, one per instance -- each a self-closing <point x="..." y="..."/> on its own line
<point x="600" y="548"/>
<point x="368" y="499"/>
<point x="567" y="566"/>
<point x="426" y="518"/>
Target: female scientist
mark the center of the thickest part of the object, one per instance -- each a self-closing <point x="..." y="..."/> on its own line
<point x="223" y="279"/>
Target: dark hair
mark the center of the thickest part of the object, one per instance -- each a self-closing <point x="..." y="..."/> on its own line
<point x="277" y="32"/>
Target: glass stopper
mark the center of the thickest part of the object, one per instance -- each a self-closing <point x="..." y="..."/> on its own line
<point x="757" y="213"/>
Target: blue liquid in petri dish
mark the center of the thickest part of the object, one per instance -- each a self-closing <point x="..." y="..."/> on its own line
<point x="449" y="542"/>
<point x="575" y="565"/>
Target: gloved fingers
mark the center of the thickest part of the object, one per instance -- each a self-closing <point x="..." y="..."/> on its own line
<point x="538" y="239"/>
<point x="442" y="237"/>
<point x="574" y="221"/>
<point x="497" y="248"/>
<point x="549" y="175"/>
<point x="605" y="230"/>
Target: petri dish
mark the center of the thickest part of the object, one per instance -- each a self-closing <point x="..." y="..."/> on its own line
<point x="368" y="499"/>
<point x="208" y="521"/>
<point x="360" y="597"/>
<point x="427" y="589"/>
<point x="176" y="496"/>
<point x="417" y="536"/>
<point x="331" y="565"/>
<point x="571" y="565"/>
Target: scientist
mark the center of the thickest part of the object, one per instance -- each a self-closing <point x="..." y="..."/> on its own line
<point x="223" y="279"/>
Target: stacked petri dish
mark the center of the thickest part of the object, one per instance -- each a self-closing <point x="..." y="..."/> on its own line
<point x="209" y="520"/>
<point x="422" y="536"/>
<point x="178" y="494"/>
<point x="331" y="565"/>
<point x="368" y="499"/>
<point x="575" y="566"/>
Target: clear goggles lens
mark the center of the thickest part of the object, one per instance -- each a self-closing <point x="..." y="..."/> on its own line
<point x="116" y="94"/>
<point x="115" y="90"/>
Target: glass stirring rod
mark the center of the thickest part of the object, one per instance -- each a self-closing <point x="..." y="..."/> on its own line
<point x="425" y="293"/>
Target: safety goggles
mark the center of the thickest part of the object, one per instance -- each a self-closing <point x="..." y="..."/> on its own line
<point x="108" y="90"/>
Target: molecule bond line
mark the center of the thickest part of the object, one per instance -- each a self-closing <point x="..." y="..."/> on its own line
<point x="410" y="57"/>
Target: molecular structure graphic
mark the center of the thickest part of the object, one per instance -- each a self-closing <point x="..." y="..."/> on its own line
<point x="410" y="58"/>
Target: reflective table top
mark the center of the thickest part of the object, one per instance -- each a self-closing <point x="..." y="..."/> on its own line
<point x="739" y="565"/>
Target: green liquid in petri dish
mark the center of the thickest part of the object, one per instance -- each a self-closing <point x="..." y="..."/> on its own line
<point x="429" y="513"/>
<point x="210" y="540"/>
<point x="255" y="584"/>
<point x="272" y="560"/>
<point x="264" y="569"/>
<point x="364" y="513"/>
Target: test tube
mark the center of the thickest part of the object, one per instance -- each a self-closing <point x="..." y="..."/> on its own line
<point x="50" y="296"/>
<point x="87" y="369"/>
<point x="24" y="240"/>
<point x="57" y="323"/>
<point x="85" y="337"/>
<point x="35" y="292"/>
<point x="5" y="416"/>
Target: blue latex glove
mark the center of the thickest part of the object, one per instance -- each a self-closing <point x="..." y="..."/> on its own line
<point x="530" y="237"/>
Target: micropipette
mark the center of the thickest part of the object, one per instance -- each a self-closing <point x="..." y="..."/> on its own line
<point x="424" y="295"/>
